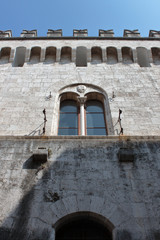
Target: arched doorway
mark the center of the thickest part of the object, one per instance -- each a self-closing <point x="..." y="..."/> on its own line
<point x="82" y="226"/>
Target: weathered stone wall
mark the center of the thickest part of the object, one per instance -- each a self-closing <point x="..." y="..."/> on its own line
<point x="24" y="90"/>
<point x="82" y="174"/>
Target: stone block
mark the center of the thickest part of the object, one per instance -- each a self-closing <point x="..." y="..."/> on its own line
<point x="80" y="33"/>
<point x="154" y="33"/>
<point x="106" y="33"/>
<point x="29" y="33"/>
<point x="54" y="33"/>
<point x="5" y="34"/>
<point x="131" y="33"/>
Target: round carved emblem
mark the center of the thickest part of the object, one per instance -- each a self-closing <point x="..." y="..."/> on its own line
<point x="81" y="88"/>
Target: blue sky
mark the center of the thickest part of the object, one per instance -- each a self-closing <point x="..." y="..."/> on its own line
<point x="74" y="14"/>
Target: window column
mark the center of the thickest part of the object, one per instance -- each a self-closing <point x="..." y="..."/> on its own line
<point x="82" y="101"/>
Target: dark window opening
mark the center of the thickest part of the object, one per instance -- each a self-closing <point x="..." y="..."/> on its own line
<point x="35" y="55"/>
<point x="112" y="55"/>
<point x="156" y="55"/>
<point x="5" y="55"/>
<point x="96" y="55"/>
<point x="50" y="56"/>
<point x="127" y="55"/>
<point x="65" y="55"/>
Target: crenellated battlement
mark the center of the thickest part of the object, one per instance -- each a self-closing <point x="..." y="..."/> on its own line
<point x="80" y="33"/>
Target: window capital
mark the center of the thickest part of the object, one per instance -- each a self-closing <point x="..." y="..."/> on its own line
<point x="82" y="99"/>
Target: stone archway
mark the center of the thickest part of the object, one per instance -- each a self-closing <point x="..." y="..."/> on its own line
<point x="83" y="226"/>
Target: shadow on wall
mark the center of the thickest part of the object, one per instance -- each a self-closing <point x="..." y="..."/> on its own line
<point x="73" y="172"/>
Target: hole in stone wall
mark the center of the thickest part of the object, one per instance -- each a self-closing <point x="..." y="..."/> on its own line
<point x="19" y="57"/>
<point x="112" y="56"/>
<point x="142" y="57"/>
<point x="81" y="57"/>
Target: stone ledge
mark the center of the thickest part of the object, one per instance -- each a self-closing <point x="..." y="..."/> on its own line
<point x="109" y="138"/>
<point x="82" y="38"/>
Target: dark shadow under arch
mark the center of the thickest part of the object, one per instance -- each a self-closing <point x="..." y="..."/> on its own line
<point x="83" y="226"/>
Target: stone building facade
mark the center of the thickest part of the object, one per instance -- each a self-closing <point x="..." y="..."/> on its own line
<point x="83" y="173"/>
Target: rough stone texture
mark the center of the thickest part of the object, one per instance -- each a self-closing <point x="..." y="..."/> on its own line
<point x="83" y="174"/>
<point x="25" y="90"/>
<point x="80" y="175"/>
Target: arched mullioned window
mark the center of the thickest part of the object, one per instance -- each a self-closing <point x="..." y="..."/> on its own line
<point x="81" y="117"/>
<point x="156" y="55"/>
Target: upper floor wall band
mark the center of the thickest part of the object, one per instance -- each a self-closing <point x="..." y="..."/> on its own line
<point x="80" y="55"/>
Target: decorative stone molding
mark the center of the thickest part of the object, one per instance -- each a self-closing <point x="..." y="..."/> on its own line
<point x="5" y="34"/>
<point x="82" y="100"/>
<point x="29" y="33"/>
<point x="154" y="33"/>
<point x="80" y="33"/>
<point x="106" y="33"/>
<point x="54" y="33"/>
<point x="81" y="88"/>
<point x="131" y="33"/>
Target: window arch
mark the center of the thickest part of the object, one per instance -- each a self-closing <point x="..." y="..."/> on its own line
<point x="82" y="115"/>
